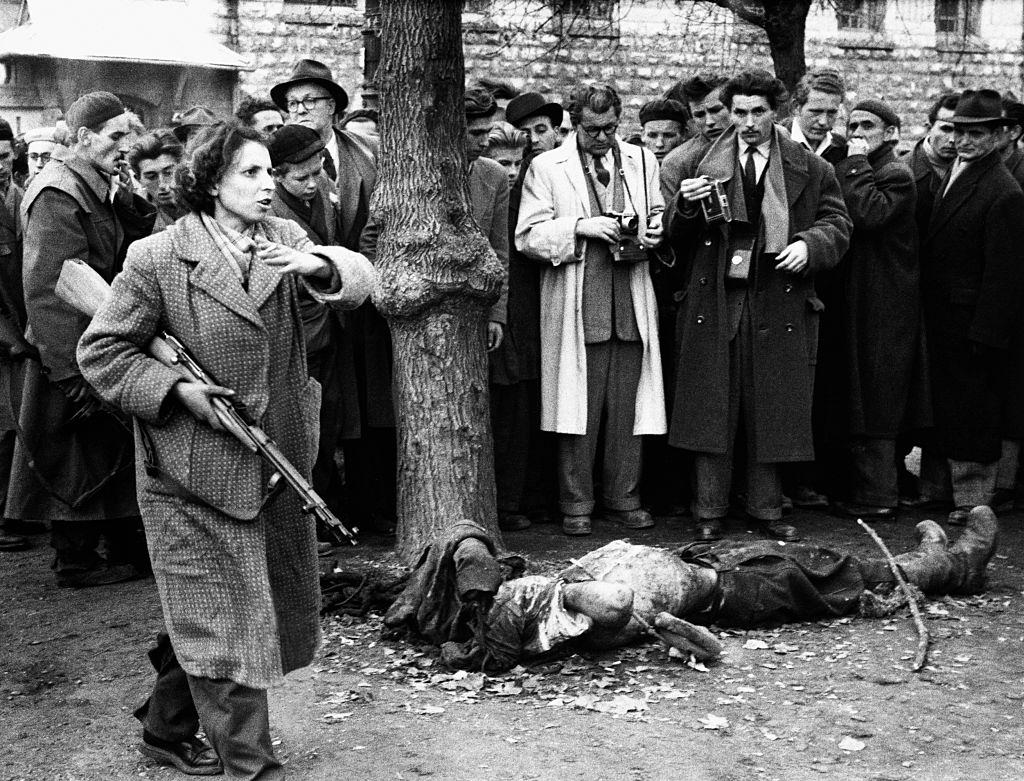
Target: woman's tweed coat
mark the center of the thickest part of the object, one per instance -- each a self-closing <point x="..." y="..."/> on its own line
<point x="237" y="574"/>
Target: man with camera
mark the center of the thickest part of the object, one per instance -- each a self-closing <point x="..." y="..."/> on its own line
<point x="590" y="209"/>
<point x="759" y="215"/>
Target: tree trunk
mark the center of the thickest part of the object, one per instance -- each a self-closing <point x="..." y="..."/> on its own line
<point x="786" y="27"/>
<point x="438" y="277"/>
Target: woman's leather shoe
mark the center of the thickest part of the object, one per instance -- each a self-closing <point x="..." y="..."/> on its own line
<point x="193" y="757"/>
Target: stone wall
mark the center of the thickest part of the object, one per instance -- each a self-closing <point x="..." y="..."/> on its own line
<point x="643" y="46"/>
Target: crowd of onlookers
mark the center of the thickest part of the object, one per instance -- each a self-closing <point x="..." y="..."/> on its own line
<point x="759" y="285"/>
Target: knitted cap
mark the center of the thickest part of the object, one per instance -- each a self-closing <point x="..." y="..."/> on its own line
<point x="826" y="80"/>
<point x="92" y="110"/>
<point x="294" y="144"/>
<point x="881" y="110"/>
<point x="663" y="109"/>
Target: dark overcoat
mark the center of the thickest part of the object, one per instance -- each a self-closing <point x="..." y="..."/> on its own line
<point x="70" y="466"/>
<point x="784" y="311"/>
<point x="236" y="568"/>
<point x="881" y="298"/>
<point x="973" y="287"/>
<point x="518" y="357"/>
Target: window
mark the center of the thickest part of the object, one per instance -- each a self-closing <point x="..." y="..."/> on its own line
<point x="958" y="18"/>
<point x="861" y="15"/>
<point x="585" y="17"/>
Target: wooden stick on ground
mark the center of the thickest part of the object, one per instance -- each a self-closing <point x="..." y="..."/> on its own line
<point x="923" y="637"/>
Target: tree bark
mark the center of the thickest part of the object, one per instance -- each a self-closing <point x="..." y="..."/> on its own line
<point x="785" y="24"/>
<point x="438" y="276"/>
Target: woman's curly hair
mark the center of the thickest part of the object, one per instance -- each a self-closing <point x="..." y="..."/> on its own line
<point x="208" y="155"/>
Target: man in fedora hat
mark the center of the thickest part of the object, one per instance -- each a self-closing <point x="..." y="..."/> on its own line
<point x="532" y="113"/>
<point x="972" y="291"/>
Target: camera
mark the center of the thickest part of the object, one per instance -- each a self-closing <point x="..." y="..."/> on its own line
<point x="628" y="249"/>
<point x="716" y="204"/>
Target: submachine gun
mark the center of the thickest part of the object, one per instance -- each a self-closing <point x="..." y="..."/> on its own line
<point x="83" y="288"/>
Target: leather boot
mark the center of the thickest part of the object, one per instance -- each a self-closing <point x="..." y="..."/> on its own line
<point x="930" y="567"/>
<point x="974" y="549"/>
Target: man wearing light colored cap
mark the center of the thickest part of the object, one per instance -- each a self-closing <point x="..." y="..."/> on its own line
<point x="74" y="463"/>
<point x="879" y="283"/>
<point x="40" y="146"/>
<point x="973" y="293"/>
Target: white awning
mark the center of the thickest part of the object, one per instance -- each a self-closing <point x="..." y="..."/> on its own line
<point x="159" y="32"/>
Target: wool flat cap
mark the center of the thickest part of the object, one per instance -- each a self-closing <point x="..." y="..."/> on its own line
<point x="881" y="110"/>
<point x="40" y="134"/>
<point x="979" y="107"/>
<point x="193" y="119"/>
<point x="532" y="104"/>
<point x="294" y="144"/>
<point x="663" y="109"/>
<point x="313" y="72"/>
<point x="92" y="110"/>
<point x="479" y="103"/>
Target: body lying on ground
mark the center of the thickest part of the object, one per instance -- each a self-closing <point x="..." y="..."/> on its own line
<point x="616" y="594"/>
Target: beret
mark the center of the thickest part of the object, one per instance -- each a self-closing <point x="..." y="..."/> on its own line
<point x="663" y="108"/>
<point x="92" y="110"/>
<point x="881" y="110"/>
<point x="293" y="144"/>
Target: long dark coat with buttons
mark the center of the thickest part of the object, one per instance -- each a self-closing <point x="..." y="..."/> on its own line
<point x="885" y="390"/>
<point x="784" y="311"/>
<point x="236" y="568"/>
<point x="972" y="278"/>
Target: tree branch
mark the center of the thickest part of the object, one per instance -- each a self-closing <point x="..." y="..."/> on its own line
<point x="747" y="10"/>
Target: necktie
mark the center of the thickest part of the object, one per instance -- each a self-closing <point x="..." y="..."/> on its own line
<point x="329" y="167"/>
<point x="603" y="175"/>
<point x="750" y="170"/>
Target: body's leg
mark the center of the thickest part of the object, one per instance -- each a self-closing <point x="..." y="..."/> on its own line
<point x="938" y="568"/>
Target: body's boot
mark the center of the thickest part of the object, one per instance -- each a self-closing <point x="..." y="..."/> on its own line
<point x="930" y="567"/>
<point x="958" y="569"/>
<point x="974" y="549"/>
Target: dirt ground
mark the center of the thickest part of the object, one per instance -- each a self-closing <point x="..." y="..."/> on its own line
<point x="826" y="700"/>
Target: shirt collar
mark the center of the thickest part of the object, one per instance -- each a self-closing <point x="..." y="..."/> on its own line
<point x="332" y="148"/>
<point x="763" y="149"/>
<point x="797" y="134"/>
